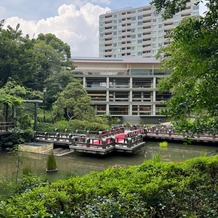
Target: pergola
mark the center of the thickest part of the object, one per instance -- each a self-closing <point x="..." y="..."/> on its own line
<point x="35" y="102"/>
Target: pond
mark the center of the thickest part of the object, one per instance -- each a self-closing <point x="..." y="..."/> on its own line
<point x="81" y="164"/>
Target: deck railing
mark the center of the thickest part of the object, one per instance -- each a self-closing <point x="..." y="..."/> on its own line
<point x="6" y="126"/>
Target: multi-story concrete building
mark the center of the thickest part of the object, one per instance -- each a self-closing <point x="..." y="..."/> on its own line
<point x="137" y="31"/>
<point x="125" y="87"/>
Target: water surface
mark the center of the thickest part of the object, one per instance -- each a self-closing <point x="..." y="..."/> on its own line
<point x="81" y="164"/>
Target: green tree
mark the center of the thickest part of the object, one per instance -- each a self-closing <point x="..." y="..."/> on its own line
<point x="11" y="96"/>
<point x="192" y="59"/>
<point x="57" y="83"/>
<point x="52" y="56"/>
<point x="63" y="49"/>
<point x="73" y="103"/>
<point x="31" y="61"/>
<point x="16" y="55"/>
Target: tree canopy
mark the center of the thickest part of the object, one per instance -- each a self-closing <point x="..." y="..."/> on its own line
<point x="12" y="94"/>
<point x="16" y="55"/>
<point x="31" y="61"/>
<point x="74" y="103"/>
<point x="192" y="58"/>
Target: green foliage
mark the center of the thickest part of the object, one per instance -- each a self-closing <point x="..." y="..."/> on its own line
<point x="156" y="158"/>
<point x="55" y="84"/>
<point x="153" y="189"/>
<point x="163" y="144"/>
<point x="7" y="189"/>
<point x="170" y="7"/>
<point x="16" y="55"/>
<point x="73" y="125"/>
<point x="51" y="162"/>
<point x="29" y="181"/>
<point x="17" y="136"/>
<point x="45" y="127"/>
<point x="86" y="125"/>
<point x="113" y="120"/>
<point x="73" y="103"/>
<point x="192" y="59"/>
<point x="62" y="125"/>
<point x="11" y="93"/>
<point x="31" y="61"/>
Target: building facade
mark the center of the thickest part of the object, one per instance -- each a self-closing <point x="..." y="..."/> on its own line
<point x="123" y="87"/>
<point x="137" y="31"/>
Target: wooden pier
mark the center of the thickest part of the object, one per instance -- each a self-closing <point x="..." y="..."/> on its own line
<point x="119" y="139"/>
<point x="115" y="140"/>
<point x="173" y="135"/>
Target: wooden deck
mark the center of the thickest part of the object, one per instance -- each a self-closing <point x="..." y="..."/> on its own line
<point x="169" y="135"/>
<point x="119" y="139"/>
<point x="98" y="143"/>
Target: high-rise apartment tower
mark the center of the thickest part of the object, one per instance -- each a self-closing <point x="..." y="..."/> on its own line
<point x="137" y="31"/>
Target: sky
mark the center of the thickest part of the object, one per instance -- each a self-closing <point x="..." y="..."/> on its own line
<point x="73" y="21"/>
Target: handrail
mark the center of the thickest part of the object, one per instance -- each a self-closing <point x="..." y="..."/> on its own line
<point x="5" y="126"/>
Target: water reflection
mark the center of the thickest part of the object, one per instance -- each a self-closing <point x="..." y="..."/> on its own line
<point x="81" y="164"/>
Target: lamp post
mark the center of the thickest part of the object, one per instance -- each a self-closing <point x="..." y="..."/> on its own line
<point x="44" y="91"/>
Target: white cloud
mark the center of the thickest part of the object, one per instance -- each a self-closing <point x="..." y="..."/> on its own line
<point x="78" y="27"/>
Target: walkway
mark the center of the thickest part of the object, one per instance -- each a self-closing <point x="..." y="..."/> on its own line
<point x="102" y="143"/>
<point x="172" y="135"/>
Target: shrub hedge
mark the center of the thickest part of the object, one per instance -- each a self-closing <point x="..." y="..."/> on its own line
<point x="152" y="189"/>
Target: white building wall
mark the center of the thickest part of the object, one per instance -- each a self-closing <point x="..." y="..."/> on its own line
<point x="121" y="87"/>
<point x="137" y="31"/>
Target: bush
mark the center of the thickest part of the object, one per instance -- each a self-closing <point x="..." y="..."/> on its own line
<point x="51" y="162"/>
<point x="72" y="126"/>
<point x="17" y="136"/>
<point x="45" y="127"/>
<point x="152" y="189"/>
<point x="86" y="125"/>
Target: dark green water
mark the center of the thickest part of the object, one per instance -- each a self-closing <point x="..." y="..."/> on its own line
<point x="81" y="164"/>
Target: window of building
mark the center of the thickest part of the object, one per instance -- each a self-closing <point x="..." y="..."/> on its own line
<point x="119" y="109"/>
<point x="141" y="82"/>
<point x="140" y="17"/>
